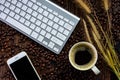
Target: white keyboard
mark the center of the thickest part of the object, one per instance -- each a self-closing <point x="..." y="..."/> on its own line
<point x="40" y="20"/>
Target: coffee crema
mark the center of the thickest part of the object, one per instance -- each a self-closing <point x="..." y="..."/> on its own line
<point x="82" y="57"/>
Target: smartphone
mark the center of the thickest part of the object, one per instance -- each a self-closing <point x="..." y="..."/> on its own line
<point x="22" y="67"/>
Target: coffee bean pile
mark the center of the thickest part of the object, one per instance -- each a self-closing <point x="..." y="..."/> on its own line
<point x="116" y="20"/>
<point x="49" y="65"/>
<point x="116" y="24"/>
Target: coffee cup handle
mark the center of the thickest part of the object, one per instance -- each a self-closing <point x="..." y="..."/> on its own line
<point x="95" y="70"/>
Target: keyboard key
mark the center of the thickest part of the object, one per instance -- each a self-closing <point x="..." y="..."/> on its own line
<point x="66" y="32"/>
<point x="44" y="42"/>
<point x="61" y="29"/>
<point x="54" y="32"/>
<point x="30" y="4"/>
<point x="17" y="17"/>
<point x="40" y="10"/>
<point x="24" y="7"/>
<point x="33" y="19"/>
<point x="29" y="10"/>
<point x="55" y="26"/>
<point x="40" y="38"/>
<point x="43" y="32"/>
<point x="55" y="13"/>
<point x="3" y="15"/>
<point x="18" y="25"/>
<point x="50" y="10"/>
<point x="61" y="36"/>
<point x="32" y="26"/>
<point x="45" y="13"/>
<point x="17" y="10"/>
<point x="39" y="4"/>
<point x="48" y="35"/>
<point x="22" y="13"/>
<point x="34" y="13"/>
<point x="72" y="23"/>
<point x="66" y="19"/>
<point x="24" y="1"/>
<point x="35" y="7"/>
<point x="43" y="25"/>
<point x="51" y="44"/>
<point x="27" y="16"/>
<point x="67" y="26"/>
<point x="19" y="4"/>
<point x="50" y="16"/>
<point x="12" y="7"/>
<point x="34" y="34"/>
<point x="12" y="14"/>
<point x="6" y="10"/>
<point x="60" y="16"/>
<point x="37" y="29"/>
<point x="2" y="7"/>
<point x="45" y="20"/>
<point x="22" y="20"/>
<point x="50" y="23"/>
<point x="48" y="29"/>
<point x="2" y="1"/>
<point x="56" y="49"/>
<point x="56" y="19"/>
<point x="38" y="23"/>
<point x="27" y="23"/>
<point x="57" y="41"/>
<point x="7" y="4"/>
<point x="14" y="1"/>
<point x="40" y="17"/>
<point x="44" y="7"/>
<point x="61" y="22"/>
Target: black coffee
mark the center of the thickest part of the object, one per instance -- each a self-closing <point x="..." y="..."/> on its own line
<point x="82" y="57"/>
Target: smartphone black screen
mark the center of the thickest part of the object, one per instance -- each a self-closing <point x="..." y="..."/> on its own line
<point x="23" y="70"/>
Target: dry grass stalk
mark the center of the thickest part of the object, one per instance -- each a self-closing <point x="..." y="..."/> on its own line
<point x="84" y="6"/>
<point x="99" y="45"/>
<point x="106" y="4"/>
<point x="86" y="31"/>
<point x="93" y="26"/>
<point x="106" y="7"/>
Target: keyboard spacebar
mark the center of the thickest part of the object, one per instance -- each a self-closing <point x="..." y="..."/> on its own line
<point x="18" y="25"/>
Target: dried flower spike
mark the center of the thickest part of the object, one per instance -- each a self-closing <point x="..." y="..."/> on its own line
<point x="106" y="4"/>
<point x="93" y="26"/>
<point x="84" y="6"/>
<point x="86" y="31"/>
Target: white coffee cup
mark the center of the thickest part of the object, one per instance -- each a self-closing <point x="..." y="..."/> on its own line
<point x="84" y="46"/>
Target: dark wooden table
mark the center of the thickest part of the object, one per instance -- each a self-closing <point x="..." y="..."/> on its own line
<point x="49" y="65"/>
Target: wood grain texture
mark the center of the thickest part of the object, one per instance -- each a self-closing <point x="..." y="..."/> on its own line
<point x="49" y="65"/>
